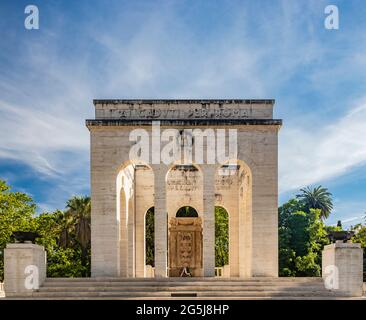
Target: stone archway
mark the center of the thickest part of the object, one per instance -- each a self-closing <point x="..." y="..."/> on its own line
<point x="186" y="211"/>
<point x="185" y="243"/>
<point x="233" y="192"/>
<point x="250" y="195"/>
<point x="135" y="185"/>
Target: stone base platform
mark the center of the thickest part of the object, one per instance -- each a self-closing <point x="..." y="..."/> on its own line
<point x="181" y="288"/>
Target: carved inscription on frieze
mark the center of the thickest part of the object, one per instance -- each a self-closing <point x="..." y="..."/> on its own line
<point x="187" y="181"/>
<point x="187" y="113"/>
<point x="224" y="182"/>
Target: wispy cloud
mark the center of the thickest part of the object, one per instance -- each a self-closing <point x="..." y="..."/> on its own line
<point x="34" y="136"/>
<point x="167" y="50"/>
<point x="349" y="211"/>
<point x="311" y="154"/>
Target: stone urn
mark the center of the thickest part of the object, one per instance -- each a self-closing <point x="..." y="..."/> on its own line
<point x="25" y="236"/>
<point x="340" y="235"/>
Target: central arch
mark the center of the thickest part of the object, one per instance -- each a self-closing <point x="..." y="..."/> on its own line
<point x="184" y="188"/>
<point x="185" y="243"/>
<point x="186" y="211"/>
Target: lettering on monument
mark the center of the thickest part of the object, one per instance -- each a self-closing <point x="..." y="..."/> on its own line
<point x="190" y="113"/>
<point x="183" y="181"/>
<point x="224" y="182"/>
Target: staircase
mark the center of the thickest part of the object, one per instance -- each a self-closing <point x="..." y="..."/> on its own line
<point x="183" y="288"/>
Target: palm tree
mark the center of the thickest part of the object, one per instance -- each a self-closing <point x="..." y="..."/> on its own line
<point x="66" y="223"/>
<point x="317" y="198"/>
<point x="79" y="209"/>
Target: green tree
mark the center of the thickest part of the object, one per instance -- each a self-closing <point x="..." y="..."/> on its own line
<point x="149" y="237"/>
<point x="66" y="223"/>
<point x="16" y="212"/>
<point x="79" y="208"/>
<point x="317" y="198"/>
<point x="62" y="260"/>
<point x="221" y="237"/>
<point x="64" y="234"/>
<point x="47" y="226"/>
<point x="360" y="237"/>
<point x="302" y="236"/>
<point x="66" y="262"/>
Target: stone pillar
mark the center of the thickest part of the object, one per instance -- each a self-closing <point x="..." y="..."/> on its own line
<point x="24" y="268"/>
<point x="131" y="273"/>
<point x="160" y="222"/>
<point x="233" y="212"/>
<point x="342" y="266"/>
<point x="123" y="250"/>
<point x="209" y="221"/>
<point x="264" y="227"/>
<point x="140" y="243"/>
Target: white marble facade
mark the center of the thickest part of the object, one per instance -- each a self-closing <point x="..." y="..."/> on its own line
<point x="123" y="189"/>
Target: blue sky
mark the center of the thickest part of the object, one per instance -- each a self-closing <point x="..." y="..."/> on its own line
<point x="184" y="49"/>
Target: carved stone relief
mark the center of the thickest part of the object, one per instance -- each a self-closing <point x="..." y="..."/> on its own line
<point x="185" y="246"/>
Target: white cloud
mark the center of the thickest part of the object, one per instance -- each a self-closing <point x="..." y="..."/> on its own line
<point x="312" y="154"/>
<point x="350" y="212"/>
<point x="33" y="136"/>
<point x="48" y="93"/>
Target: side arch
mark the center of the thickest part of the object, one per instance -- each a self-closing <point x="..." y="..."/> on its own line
<point x="132" y="177"/>
<point x="233" y="191"/>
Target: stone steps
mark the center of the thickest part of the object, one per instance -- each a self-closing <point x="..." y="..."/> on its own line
<point x="157" y="284"/>
<point x="159" y="294"/>
<point x="178" y="288"/>
<point x="194" y="280"/>
<point x="162" y="283"/>
<point x="175" y="288"/>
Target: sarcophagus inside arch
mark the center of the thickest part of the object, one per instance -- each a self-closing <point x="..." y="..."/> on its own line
<point x="185" y="247"/>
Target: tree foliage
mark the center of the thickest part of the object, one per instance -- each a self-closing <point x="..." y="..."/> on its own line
<point x="360" y="237"/>
<point x="64" y="234"/>
<point x="78" y="208"/>
<point x="302" y="232"/>
<point x="16" y="213"/>
<point x="302" y="236"/>
<point x="64" y="258"/>
<point x="221" y="237"/>
<point x="317" y="198"/>
<point x="149" y="237"/>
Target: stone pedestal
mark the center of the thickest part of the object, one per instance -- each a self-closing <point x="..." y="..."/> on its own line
<point x="24" y="268"/>
<point x="342" y="266"/>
